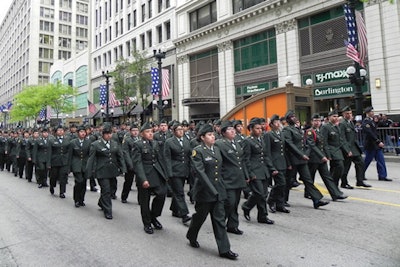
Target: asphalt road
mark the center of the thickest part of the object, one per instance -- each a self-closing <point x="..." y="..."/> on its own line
<point x="38" y="229"/>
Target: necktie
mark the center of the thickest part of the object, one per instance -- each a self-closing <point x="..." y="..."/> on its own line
<point x="45" y="141"/>
<point x="60" y="139"/>
<point x="233" y="144"/>
<point x="108" y="145"/>
<point x="181" y="142"/>
<point x="81" y="143"/>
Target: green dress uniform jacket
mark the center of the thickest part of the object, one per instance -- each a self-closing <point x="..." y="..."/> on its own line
<point x="258" y="163"/>
<point x="79" y="155"/>
<point x="105" y="162"/>
<point x="316" y="144"/>
<point x="177" y="157"/>
<point x="40" y="153"/>
<point x="127" y="148"/>
<point x="58" y="151"/>
<point x="295" y="144"/>
<point x="234" y="170"/>
<point x="349" y="135"/>
<point x="334" y="143"/>
<point x="275" y="144"/>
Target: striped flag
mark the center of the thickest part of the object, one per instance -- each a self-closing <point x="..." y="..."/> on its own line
<point x="165" y="82"/>
<point x="113" y="101"/>
<point x="92" y="107"/>
<point x="357" y="36"/>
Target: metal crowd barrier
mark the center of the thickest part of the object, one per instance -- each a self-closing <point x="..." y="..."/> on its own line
<point x="390" y="137"/>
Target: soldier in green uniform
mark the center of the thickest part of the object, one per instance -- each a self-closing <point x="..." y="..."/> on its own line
<point x="127" y="147"/>
<point x="105" y="163"/>
<point x="20" y="153"/>
<point x="3" y="141"/>
<point x="177" y="161"/>
<point x="335" y="147"/>
<point x="318" y="159"/>
<point x="234" y="174"/>
<point x="40" y="158"/>
<point x="260" y="169"/>
<point x="150" y="178"/>
<point x="298" y="157"/>
<point x="29" y="151"/>
<point x="91" y="135"/>
<point x="59" y="160"/>
<point x="11" y="149"/>
<point x="79" y="154"/>
<point x="275" y="145"/>
<point x="349" y="135"/>
<point x="209" y="192"/>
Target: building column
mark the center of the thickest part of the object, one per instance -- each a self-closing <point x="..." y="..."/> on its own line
<point x="226" y="77"/>
<point x="288" y="52"/>
<point x="183" y="86"/>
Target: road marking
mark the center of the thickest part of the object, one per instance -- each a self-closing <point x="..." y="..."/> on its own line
<point x="375" y="202"/>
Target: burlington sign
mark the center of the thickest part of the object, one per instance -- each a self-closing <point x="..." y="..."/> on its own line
<point x="335" y="91"/>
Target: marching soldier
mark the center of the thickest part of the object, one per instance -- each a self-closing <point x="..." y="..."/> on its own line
<point x="335" y="147"/>
<point x="59" y="160"/>
<point x="234" y="174"/>
<point x="3" y="141"/>
<point x="177" y="160"/>
<point x="349" y="135"/>
<point x="127" y="147"/>
<point x="91" y="135"/>
<point x="209" y="193"/>
<point x="150" y="178"/>
<point x="29" y="155"/>
<point x="79" y="154"/>
<point x="238" y="125"/>
<point x="11" y="149"/>
<point x="40" y="158"/>
<point x="260" y="169"/>
<point x="298" y="157"/>
<point x="105" y="163"/>
<point x="275" y="144"/>
<point x="318" y="159"/>
<point x="21" y="154"/>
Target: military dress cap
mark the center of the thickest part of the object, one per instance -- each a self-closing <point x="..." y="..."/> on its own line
<point x="81" y="128"/>
<point x="44" y="129"/>
<point x="176" y="125"/>
<point x="185" y="123"/>
<point x="59" y="127"/>
<point x="316" y="116"/>
<point x="134" y="126"/>
<point x="368" y="109"/>
<point x="164" y="121"/>
<point x="225" y="125"/>
<point x="198" y="126"/>
<point x="107" y="129"/>
<point x="206" y="128"/>
<point x="237" y="122"/>
<point x="146" y="126"/>
<point x="217" y="122"/>
<point x="262" y="120"/>
<point x="346" y="108"/>
<point x="289" y="114"/>
<point x="274" y="118"/>
<point x="253" y="122"/>
<point x="333" y="112"/>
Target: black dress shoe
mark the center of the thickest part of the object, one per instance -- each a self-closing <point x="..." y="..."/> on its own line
<point x="108" y="216"/>
<point x="283" y="209"/>
<point x="101" y="206"/>
<point x="45" y="185"/>
<point x="82" y="204"/>
<point x="62" y="195"/>
<point x="363" y="184"/>
<point x="272" y="207"/>
<point x="339" y="197"/>
<point x="194" y="244"/>
<point x="246" y="214"/>
<point x="385" y="179"/>
<point x="295" y="184"/>
<point x="40" y="186"/>
<point x="124" y="201"/>
<point x="235" y="231"/>
<point x="93" y="189"/>
<point x="229" y="255"/>
<point x="77" y="205"/>
<point x="157" y="225"/>
<point x="148" y="229"/>
<point x="266" y="221"/>
<point x="113" y="197"/>
<point x="320" y="203"/>
<point x="346" y="186"/>
<point x="51" y="190"/>
<point x="174" y="214"/>
<point x="286" y="204"/>
<point x="186" y="219"/>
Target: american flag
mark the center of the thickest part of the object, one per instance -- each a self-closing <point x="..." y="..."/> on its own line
<point x="42" y="113"/>
<point x="155" y="82"/>
<point x="92" y="107"/>
<point x="103" y="95"/>
<point x="113" y="101"/>
<point x="357" y="43"/>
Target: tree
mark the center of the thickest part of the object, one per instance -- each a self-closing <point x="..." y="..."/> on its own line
<point x="29" y="102"/>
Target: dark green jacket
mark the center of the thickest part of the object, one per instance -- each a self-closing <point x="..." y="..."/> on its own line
<point x="296" y="148"/>
<point x="275" y="145"/>
<point x="334" y="144"/>
<point x="177" y="157"/>
<point x="79" y="155"/>
<point x="349" y="136"/>
<point x="58" y="152"/>
<point x="315" y="142"/>
<point x="40" y="152"/>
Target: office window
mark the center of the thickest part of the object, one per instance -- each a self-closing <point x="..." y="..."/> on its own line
<point x="134" y="18"/>
<point x="44" y="67"/>
<point x="64" y="29"/>
<point x="150" y="7"/>
<point x="159" y="33"/>
<point x="129" y="22"/>
<point x="160" y="6"/>
<point x="128" y="48"/>
<point x="47" y="13"/>
<point x="81" y="45"/>
<point x="121" y="4"/>
<point x="46" y="26"/>
<point x="47" y="2"/>
<point x="109" y="57"/>
<point x="65" y="16"/>
<point x="116" y="29"/>
<point x="239" y="5"/>
<point x="81" y="32"/>
<point x="110" y="32"/>
<point x="81" y="7"/>
<point x="45" y="53"/>
<point x="142" y="41"/>
<point x="121" y="24"/>
<point x="105" y="11"/>
<point x="167" y="26"/>
<point x="64" y="42"/>
<point x="66" y="4"/>
<point x="46" y="39"/>
<point x="115" y="54"/>
<point x="80" y="19"/>
<point x="150" y="38"/>
<point x="203" y="16"/>
<point x="105" y="59"/>
<point x="121" y="51"/>
<point x="167" y="4"/>
<point x="143" y="12"/>
<point x="116" y="6"/>
<point x="97" y="18"/>
<point x="134" y="45"/>
<point x="105" y="36"/>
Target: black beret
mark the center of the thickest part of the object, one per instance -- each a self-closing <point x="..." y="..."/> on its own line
<point x="164" y="121"/>
<point x="134" y="126"/>
<point x="146" y="126"/>
<point x="107" y="129"/>
<point x="333" y="112"/>
<point x="289" y="114"/>
<point x="206" y="128"/>
<point x="185" y="123"/>
<point x="237" y="122"/>
<point x="225" y="125"/>
<point x="44" y="129"/>
<point x="274" y="118"/>
<point x="59" y="127"/>
<point x="368" y="109"/>
<point x="198" y="126"/>
<point x="176" y="125"/>
<point x="262" y="120"/>
<point x="217" y="122"/>
<point x="346" y="108"/>
<point x="316" y="116"/>
<point x="81" y="128"/>
<point x="253" y="122"/>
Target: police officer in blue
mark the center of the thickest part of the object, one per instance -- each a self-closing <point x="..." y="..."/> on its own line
<point x="373" y="145"/>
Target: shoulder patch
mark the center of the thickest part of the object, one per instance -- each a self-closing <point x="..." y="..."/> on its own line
<point x="194" y="153"/>
<point x="367" y="125"/>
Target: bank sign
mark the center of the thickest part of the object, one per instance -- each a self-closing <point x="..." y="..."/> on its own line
<point x="336" y="91"/>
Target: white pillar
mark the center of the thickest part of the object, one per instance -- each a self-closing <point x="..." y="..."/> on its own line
<point x="226" y="77"/>
<point x="183" y="86"/>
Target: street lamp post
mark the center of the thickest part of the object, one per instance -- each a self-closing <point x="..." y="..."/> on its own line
<point x="5" y="111"/>
<point x="159" y="56"/>
<point x="107" y="76"/>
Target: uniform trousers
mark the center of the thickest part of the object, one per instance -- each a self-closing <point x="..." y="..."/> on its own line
<point x="2" y="160"/>
<point x="277" y="194"/>
<point x="336" y="168"/>
<point x="217" y="214"/>
<point x="21" y="161"/>
<point x="29" y="170"/>
<point x="144" y="196"/>
<point x="79" y="187"/>
<point x="41" y="174"/>
<point x="322" y="168"/>
<point x="291" y="176"/>
<point x="113" y="185"/>
<point x="259" y="194"/>
<point x="105" y="195"/>
<point x="129" y="176"/>
<point x="231" y="207"/>
<point x="358" y="165"/>
<point x="178" y="203"/>
<point x="308" y="182"/>
<point x="60" y="174"/>
<point x="376" y="154"/>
